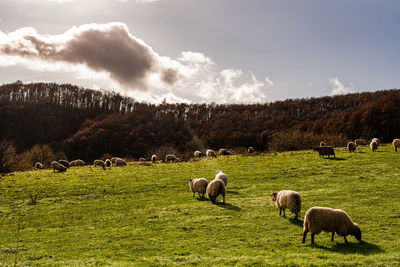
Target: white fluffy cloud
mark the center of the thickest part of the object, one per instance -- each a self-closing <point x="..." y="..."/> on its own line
<point x="339" y="88"/>
<point x="110" y="57"/>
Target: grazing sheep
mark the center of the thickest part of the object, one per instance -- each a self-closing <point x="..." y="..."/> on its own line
<point x="38" y="166"/>
<point x="107" y="162"/>
<point x="58" y="166"/>
<point x="215" y="188"/>
<point x="373" y="145"/>
<point x="153" y="158"/>
<point x="120" y="162"/>
<point x="325" y="151"/>
<point x="351" y="147"/>
<point x="322" y="144"/>
<point x="222" y="176"/>
<point x="142" y="159"/>
<point x="171" y="157"/>
<point x="64" y="162"/>
<point x="198" y="185"/>
<point x="99" y="162"/>
<point x="224" y="151"/>
<point x="396" y="144"/>
<point x="250" y="150"/>
<point x="287" y="199"/>
<point x="210" y="153"/>
<point x="77" y="162"/>
<point x="376" y="140"/>
<point x="113" y="159"/>
<point x="198" y="154"/>
<point x="360" y="142"/>
<point x="319" y="219"/>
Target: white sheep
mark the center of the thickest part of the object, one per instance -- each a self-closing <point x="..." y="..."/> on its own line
<point x="222" y="176"/>
<point x="287" y="199"/>
<point x="142" y="159"/>
<point x="360" y="142"/>
<point x="376" y="140"/>
<point x="319" y="219"/>
<point x="198" y="185"/>
<point x="215" y="188"/>
<point x="120" y="162"/>
<point x="64" y="162"/>
<point x="224" y="151"/>
<point x="171" y="157"/>
<point x="153" y="158"/>
<point x="374" y="145"/>
<point x="77" y="162"/>
<point x="396" y="144"/>
<point x="198" y="154"/>
<point x="99" y="162"/>
<point x="250" y="150"/>
<point x="58" y="166"/>
<point x="38" y="166"/>
<point x="107" y="162"/>
<point x="113" y="159"/>
<point x="210" y="153"/>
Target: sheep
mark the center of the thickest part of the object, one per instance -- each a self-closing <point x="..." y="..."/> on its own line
<point x="120" y="162"/>
<point x="107" y="162"/>
<point x="142" y="159"/>
<point x="373" y="145"/>
<point x="210" y="153"/>
<point x="215" y="188"/>
<point x="99" y="162"/>
<point x="322" y="144"/>
<point x="64" y="162"/>
<point x="198" y="185"/>
<point x="360" y="142"/>
<point x="198" y="154"/>
<point x="77" y="162"/>
<point x="250" y="150"/>
<point x="113" y="159"/>
<point x="153" y="158"/>
<point x="351" y="146"/>
<point x="287" y="199"/>
<point x="224" y="151"/>
<point x="222" y="176"/>
<point x="38" y="166"/>
<point x="325" y="151"/>
<point x="171" y="157"/>
<point x="58" y="166"/>
<point x="376" y="140"/>
<point x="319" y="219"/>
<point x="396" y="144"/>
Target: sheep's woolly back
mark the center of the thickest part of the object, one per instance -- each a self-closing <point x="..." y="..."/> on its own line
<point x="224" y="151"/>
<point x="77" y="162"/>
<point x="171" y="157"/>
<point x="198" y="185"/>
<point x="210" y="153"/>
<point x="359" y="142"/>
<point x="58" y="166"/>
<point x="64" y="162"/>
<point x="396" y="143"/>
<point x="38" y="165"/>
<point x="215" y="188"/>
<point x="197" y="153"/>
<point x="319" y="219"/>
<point x="222" y="176"/>
<point x="288" y="199"/>
<point x="113" y="159"/>
<point x="373" y="145"/>
<point x="120" y="162"/>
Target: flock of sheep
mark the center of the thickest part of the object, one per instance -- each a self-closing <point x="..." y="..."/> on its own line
<point x="62" y="165"/>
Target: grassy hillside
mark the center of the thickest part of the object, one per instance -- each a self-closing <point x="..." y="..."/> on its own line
<point x="146" y="214"/>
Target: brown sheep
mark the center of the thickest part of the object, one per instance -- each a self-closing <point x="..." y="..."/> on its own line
<point x="351" y="147"/>
<point x="325" y="151"/>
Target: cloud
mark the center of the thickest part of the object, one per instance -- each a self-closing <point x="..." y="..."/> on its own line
<point x="339" y="88"/>
<point x="108" y="56"/>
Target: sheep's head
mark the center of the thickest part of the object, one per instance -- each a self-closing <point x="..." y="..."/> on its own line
<point x="357" y="232"/>
<point x="274" y="196"/>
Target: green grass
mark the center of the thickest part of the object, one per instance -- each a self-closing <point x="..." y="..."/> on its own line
<point x="145" y="215"/>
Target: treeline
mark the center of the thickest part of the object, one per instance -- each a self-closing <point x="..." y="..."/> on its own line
<point x="86" y="124"/>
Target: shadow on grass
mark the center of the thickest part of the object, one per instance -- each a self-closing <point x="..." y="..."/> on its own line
<point x="228" y="206"/>
<point x="201" y="199"/>
<point x="337" y="158"/>
<point x="362" y="247"/>
<point x="232" y="192"/>
<point x="296" y="222"/>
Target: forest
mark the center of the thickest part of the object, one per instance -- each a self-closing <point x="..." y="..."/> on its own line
<point x="63" y="120"/>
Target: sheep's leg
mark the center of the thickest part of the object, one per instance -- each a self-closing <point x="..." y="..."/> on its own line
<point x="304" y="236"/>
<point x="312" y="238"/>
<point x="280" y="211"/>
<point x="284" y="214"/>
<point x="194" y="194"/>
<point x="223" y="199"/>
<point x="345" y="239"/>
<point x="333" y="234"/>
<point x="296" y="217"/>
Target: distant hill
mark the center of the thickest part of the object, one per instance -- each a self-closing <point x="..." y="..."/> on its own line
<point x="88" y="123"/>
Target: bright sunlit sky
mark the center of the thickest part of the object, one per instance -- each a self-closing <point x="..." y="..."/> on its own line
<point x="223" y="51"/>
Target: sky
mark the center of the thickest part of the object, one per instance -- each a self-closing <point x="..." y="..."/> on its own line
<point x="204" y="51"/>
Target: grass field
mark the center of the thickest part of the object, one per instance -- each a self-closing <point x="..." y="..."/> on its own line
<point x="145" y="215"/>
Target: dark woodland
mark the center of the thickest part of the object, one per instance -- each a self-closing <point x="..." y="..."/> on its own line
<point x="73" y="122"/>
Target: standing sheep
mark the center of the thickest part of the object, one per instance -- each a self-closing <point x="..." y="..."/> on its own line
<point x="215" y="188"/>
<point x="351" y="147"/>
<point x="38" y="166"/>
<point x="64" y="162"/>
<point x="198" y="185"/>
<point x="222" y="176"/>
<point x="322" y="144"/>
<point x="376" y="140"/>
<point x="287" y="199"/>
<point x="58" y="166"/>
<point x="224" y="151"/>
<point x="373" y="145"/>
<point x="153" y="158"/>
<point x="198" y="154"/>
<point x="99" y="162"/>
<point x="210" y="153"/>
<point x="171" y="158"/>
<point x="360" y="142"/>
<point x="396" y="144"/>
<point x="250" y="150"/>
<point x="325" y="151"/>
<point x="107" y="162"/>
<point x="319" y="219"/>
<point x="120" y="162"/>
